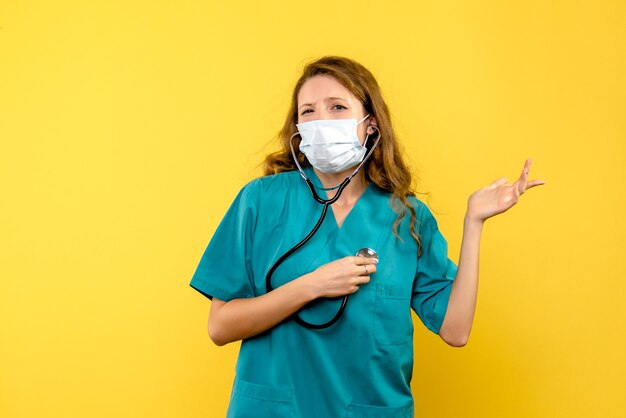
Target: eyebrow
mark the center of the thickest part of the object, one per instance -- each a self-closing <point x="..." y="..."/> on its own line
<point x="327" y="99"/>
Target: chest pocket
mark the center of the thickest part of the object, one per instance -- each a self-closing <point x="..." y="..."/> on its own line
<point x="392" y="316"/>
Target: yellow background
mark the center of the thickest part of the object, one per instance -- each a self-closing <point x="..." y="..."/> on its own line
<point x="127" y="128"/>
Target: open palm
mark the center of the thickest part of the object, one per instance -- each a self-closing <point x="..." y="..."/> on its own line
<point x="499" y="196"/>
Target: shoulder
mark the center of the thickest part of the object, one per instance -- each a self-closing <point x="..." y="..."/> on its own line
<point x="422" y="212"/>
<point x="269" y="187"/>
<point x="275" y="183"/>
<point x="279" y="180"/>
<point x="423" y="215"/>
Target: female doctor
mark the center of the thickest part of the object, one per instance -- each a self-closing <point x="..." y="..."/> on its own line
<point x="309" y="350"/>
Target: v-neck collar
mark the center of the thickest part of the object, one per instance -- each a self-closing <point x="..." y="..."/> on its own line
<point x="312" y="175"/>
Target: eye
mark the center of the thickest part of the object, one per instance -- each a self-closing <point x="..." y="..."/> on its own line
<point x="305" y="111"/>
<point x="341" y="106"/>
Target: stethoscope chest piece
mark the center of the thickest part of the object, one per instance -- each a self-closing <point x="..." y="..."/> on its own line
<point x="367" y="252"/>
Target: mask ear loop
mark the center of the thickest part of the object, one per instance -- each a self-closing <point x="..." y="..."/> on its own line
<point x="369" y="153"/>
<point x="366" y="134"/>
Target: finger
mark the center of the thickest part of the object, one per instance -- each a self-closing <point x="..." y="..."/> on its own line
<point x="534" y="183"/>
<point x="364" y="280"/>
<point x="520" y="186"/>
<point x="526" y="169"/>
<point x="356" y="260"/>
<point x="497" y="183"/>
<point x="364" y="269"/>
<point x="527" y="165"/>
<point x="523" y="178"/>
<point x="359" y="261"/>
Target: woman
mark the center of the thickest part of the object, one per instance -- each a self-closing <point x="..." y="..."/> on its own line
<point x="361" y="365"/>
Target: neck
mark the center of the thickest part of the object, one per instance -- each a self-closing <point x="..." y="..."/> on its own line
<point x="351" y="192"/>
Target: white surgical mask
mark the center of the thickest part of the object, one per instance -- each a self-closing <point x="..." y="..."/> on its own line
<point x="332" y="145"/>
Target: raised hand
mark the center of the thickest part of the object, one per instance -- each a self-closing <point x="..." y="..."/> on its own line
<point x="499" y="196"/>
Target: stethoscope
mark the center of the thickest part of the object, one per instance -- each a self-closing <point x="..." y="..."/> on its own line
<point x="363" y="252"/>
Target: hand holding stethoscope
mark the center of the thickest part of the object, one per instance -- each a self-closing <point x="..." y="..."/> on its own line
<point x="343" y="276"/>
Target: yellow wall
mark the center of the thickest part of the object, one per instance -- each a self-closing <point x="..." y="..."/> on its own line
<point x="127" y="127"/>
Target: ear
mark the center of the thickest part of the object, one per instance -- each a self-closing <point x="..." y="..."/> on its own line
<point x="372" y="122"/>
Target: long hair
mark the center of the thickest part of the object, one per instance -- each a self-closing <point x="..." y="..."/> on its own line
<point x="386" y="167"/>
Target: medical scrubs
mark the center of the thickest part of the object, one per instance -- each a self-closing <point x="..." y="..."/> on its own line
<point x="362" y="365"/>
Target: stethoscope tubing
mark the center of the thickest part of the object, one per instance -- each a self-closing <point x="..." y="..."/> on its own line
<point x="325" y="204"/>
<point x="268" y="277"/>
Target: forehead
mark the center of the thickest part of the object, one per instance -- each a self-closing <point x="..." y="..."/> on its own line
<point x="320" y="87"/>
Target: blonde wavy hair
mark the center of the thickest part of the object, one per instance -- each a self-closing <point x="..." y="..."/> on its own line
<point x="386" y="167"/>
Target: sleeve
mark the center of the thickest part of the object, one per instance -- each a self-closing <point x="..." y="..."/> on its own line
<point x="435" y="273"/>
<point x="224" y="270"/>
